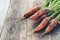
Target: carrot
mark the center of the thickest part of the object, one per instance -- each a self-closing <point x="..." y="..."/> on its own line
<point x="31" y="11"/>
<point x="52" y="24"/>
<point x="42" y="24"/>
<point x="37" y="14"/>
<point x="42" y="17"/>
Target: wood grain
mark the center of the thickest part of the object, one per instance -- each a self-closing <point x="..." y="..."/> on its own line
<point x="23" y="30"/>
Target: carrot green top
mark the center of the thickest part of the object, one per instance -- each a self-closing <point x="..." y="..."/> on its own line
<point x="58" y="17"/>
<point x="55" y="12"/>
<point x="54" y="5"/>
<point x="44" y="3"/>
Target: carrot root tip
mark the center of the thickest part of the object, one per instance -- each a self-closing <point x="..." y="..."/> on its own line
<point x="34" y="31"/>
<point x="43" y="34"/>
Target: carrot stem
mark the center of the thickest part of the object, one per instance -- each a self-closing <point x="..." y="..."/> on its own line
<point x="55" y="13"/>
<point x="58" y="17"/>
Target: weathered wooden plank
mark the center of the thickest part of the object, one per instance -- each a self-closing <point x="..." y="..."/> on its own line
<point x="22" y="9"/>
<point x="11" y="30"/>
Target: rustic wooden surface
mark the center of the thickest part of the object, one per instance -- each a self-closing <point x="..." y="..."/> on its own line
<point x="24" y="29"/>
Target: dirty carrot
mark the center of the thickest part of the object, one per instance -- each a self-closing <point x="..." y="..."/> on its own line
<point x="42" y="17"/>
<point x="42" y="24"/>
<point x="32" y="10"/>
<point x="37" y="14"/>
<point x="52" y="24"/>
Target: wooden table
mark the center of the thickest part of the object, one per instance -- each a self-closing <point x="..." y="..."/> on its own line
<point x="24" y="29"/>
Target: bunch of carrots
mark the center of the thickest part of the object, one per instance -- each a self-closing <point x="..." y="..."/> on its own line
<point x="47" y="12"/>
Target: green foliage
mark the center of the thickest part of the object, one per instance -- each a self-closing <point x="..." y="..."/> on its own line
<point x="45" y="2"/>
<point x="54" y="5"/>
<point x="58" y="17"/>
